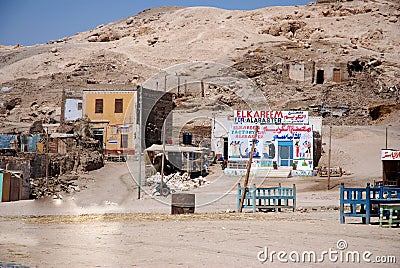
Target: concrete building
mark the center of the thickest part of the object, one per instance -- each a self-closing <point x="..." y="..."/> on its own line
<point x="111" y="115"/>
<point x="71" y="105"/>
<point x="391" y="167"/>
<point x="220" y="125"/>
<point x="330" y="72"/>
<point x="315" y="72"/>
<point x="157" y="107"/>
<point x="114" y="117"/>
<point x="73" y="109"/>
<point x="288" y="142"/>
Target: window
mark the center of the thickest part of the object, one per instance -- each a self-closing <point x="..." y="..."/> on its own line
<point x="79" y="105"/>
<point x="98" y="109"/>
<point x="119" y="105"/>
<point x="124" y="140"/>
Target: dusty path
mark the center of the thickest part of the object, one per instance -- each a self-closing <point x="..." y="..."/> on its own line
<point x="216" y="240"/>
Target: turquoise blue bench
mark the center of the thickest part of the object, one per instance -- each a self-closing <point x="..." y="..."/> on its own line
<point x="365" y="202"/>
<point x="271" y="198"/>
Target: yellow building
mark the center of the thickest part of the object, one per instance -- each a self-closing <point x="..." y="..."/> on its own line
<point x="112" y="117"/>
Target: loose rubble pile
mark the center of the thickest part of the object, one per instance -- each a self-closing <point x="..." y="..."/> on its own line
<point x="53" y="186"/>
<point x="177" y="182"/>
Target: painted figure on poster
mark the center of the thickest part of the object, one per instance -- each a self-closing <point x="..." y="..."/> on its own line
<point x="297" y="149"/>
<point x="246" y="153"/>
<point x="307" y="149"/>
<point x="256" y="153"/>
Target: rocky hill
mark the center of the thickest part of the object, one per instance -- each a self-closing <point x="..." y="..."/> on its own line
<point x="361" y="38"/>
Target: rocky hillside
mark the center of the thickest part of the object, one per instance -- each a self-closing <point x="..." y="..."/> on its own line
<point x="362" y="36"/>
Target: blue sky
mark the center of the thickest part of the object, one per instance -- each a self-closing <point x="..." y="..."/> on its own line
<point x="29" y="22"/>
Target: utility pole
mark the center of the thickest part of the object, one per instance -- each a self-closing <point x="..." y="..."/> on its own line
<point x="163" y="144"/>
<point x="140" y="139"/>
<point x="329" y="152"/>
<point x="246" y="180"/>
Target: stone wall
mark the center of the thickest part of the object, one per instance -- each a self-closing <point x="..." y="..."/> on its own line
<point x="157" y="106"/>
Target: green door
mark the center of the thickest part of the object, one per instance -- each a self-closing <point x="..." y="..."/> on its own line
<point x="285" y="149"/>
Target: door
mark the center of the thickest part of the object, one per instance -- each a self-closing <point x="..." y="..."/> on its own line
<point x="6" y="187"/>
<point x="285" y="150"/>
<point x="98" y="134"/>
<point x="336" y="75"/>
<point x="320" y="76"/>
<point x="15" y="189"/>
<point x="124" y="140"/>
<point x="226" y="148"/>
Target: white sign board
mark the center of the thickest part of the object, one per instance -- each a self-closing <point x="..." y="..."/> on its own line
<point x="270" y="117"/>
<point x="390" y="154"/>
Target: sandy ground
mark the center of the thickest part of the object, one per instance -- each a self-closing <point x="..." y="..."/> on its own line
<point x="218" y="240"/>
<point x="105" y="225"/>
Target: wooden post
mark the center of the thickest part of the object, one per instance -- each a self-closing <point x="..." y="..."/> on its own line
<point x="179" y="84"/>
<point x="202" y="89"/>
<point x="246" y="180"/>
<point x="186" y="89"/>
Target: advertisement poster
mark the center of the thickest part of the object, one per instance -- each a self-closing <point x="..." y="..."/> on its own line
<point x="283" y="144"/>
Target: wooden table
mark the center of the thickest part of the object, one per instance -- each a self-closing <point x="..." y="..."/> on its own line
<point x="394" y="209"/>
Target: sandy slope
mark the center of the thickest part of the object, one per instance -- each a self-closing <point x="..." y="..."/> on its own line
<point x="203" y="33"/>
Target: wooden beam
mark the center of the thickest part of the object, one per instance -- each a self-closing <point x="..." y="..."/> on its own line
<point x="246" y="180"/>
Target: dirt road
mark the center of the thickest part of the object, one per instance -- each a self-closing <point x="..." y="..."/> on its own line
<point x="105" y="225"/>
<point x="213" y="240"/>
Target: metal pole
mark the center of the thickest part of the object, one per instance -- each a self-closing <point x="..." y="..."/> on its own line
<point x="163" y="144"/>
<point x="246" y="180"/>
<point x="140" y="139"/>
<point x="47" y="158"/>
<point x="329" y="153"/>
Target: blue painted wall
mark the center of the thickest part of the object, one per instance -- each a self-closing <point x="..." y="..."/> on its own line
<point x="29" y="140"/>
<point x="5" y="140"/>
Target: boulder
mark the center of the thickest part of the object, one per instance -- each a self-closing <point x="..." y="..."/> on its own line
<point x="93" y="38"/>
<point x="36" y="128"/>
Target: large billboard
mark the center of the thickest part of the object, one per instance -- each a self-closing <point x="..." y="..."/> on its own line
<point x="283" y="144"/>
